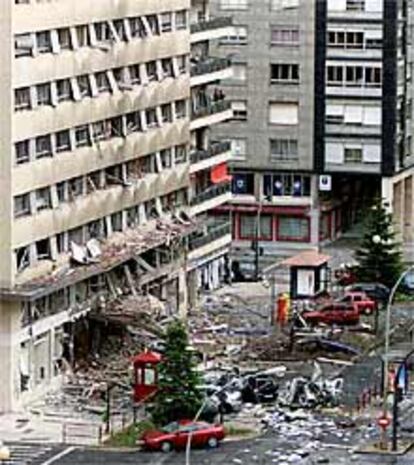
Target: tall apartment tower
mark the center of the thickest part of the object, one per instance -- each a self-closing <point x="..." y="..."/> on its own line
<point x="322" y="119"/>
<point x="107" y="173"/>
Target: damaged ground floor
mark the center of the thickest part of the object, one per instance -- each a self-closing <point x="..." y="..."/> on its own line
<point x="50" y="326"/>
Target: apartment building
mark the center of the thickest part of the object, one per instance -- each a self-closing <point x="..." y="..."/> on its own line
<point x="104" y="192"/>
<point x="322" y="119"/>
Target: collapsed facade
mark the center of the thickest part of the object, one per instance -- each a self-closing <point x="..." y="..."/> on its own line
<point x="107" y="175"/>
<point x="322" y="122"/>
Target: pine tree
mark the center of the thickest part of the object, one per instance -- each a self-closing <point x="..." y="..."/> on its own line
<point x="177" y="396"/>
<point x="379" y="254"/>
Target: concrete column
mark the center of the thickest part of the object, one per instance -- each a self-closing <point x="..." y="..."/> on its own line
<point x="9" y="355"/>
<point x="314" y="212"/>
<point x="387" y="192"/>
<point x="408" y="210"/>
<point x="182" y="293"/>
<point x="398" y="207"/>
<point x="192" y="289"/>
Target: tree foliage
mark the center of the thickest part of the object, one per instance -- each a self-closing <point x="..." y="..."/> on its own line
<point x="177" y="396"/>
<point x="379" y="253"/>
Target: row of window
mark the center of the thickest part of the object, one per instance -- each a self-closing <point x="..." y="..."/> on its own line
<point x="123" y="174"/>
<point x="354" y="76"/>
<point x="48" y="248"/>
<point x="275" y="5"/>
<point x="100" y="35"/>
<point x="93" y="133"/>
<point x="273" y="185"/>
<point x="273" y="228"/>
<point x="91" y="85"/>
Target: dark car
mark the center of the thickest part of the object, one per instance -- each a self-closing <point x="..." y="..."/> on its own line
<point x="376" y="291"/>
<point x="175" y="436"/>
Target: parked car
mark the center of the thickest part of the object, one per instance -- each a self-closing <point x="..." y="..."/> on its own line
<point x="361" y="300"/>
<point x="333" y="313"/>
<point x="408" y="283"/>
<point x="175" y="436"/>
<point x="376" y="291"/>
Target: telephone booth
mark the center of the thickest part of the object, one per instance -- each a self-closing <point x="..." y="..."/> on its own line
<point x="145" y="367"/>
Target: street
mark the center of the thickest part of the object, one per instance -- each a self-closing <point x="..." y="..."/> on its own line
<point x="263" y="451"/>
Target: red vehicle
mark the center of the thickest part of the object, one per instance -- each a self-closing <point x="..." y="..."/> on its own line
<point x="334" y="313"/>
<point x="362" y="302"/>
<point x="175" y="436"/>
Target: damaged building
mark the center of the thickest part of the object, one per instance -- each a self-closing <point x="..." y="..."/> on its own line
<point x="107" y="175"/>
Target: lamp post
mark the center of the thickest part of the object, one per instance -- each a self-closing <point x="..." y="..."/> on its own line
<point x="387" y="344"/>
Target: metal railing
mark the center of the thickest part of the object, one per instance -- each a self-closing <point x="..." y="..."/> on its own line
<point x="211" y="192"/>
<point x="211" y="108"/>
<point x="215" y="232"/>
<point x="209" y="65"/>
<point x="211" y="23"/>
<point x="214" y="149"/>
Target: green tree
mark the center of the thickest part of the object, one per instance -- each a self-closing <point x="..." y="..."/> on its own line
<point x="379" y="254"/>
<point x="178" y="396"/>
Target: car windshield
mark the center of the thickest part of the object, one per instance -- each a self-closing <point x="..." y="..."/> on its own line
<point x="171" y="427"/>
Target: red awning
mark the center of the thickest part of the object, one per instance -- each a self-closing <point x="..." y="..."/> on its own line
<point x="220" y="174"/>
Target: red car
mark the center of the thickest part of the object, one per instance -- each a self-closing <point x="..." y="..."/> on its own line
<point x="333" y="313"/>
<point x="362" y="302"/>
<point x="175" y="436"/>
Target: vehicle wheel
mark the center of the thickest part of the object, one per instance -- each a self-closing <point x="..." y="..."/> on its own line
<point x="212" y="442"/>
<point x="166" y="447"/>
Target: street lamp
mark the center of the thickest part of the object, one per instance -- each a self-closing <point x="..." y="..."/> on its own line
<point x="387" y="341"/>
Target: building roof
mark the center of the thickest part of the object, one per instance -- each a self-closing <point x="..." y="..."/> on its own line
<point x="309" y="258"/>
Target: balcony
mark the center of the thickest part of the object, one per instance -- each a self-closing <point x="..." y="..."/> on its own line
<point x="210" y="198"/>
<point x="212" y="242"/>
<point x="212" y="113"/>
<point x="218" y="152"/>
<point x="210" y="69"/>
<point x="212" y="28"/>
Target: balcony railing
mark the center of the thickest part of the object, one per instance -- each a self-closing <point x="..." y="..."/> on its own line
<point x="209" y="65"/>
<point x="212" y="234"/>
<point x="215" y="148"/>
<point x="211" y="192"/>
<point x="211" y="108"/>
<point x="212" y="23"/>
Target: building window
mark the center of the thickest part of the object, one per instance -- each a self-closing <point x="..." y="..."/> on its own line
<point x="62" y="141"/>
<point x="133" y="122"/>
<point x="22" y="152"/>
<point x="284" y="36"/>
<point x="64" y="90"/>
<point x="136" y="27"/>
<point x="22" y="99"/>
<point x="279" y="5"/>
<point x="167" y="67"/>
<point x="243" y="183"/>
<point x="82" y="34"/>
<point x="99" y="131"/>
<point x="166" y="22"/>
<point x="286" y="185"/>
<point x="82" y="138"/>
<point x="103" y="32"/>
<point x="252" y="226"/>
<point x="21" y="205"/>
<point x="238" y="148"/>
<point x="238" y="36"/>
<point x="166" y="158"/>
<point x="239" y="108"/>
<point x="84" y="85"/>
<point x="134" y="74"/>
<point x="23" y="45"/>
<point x="151" y="67"/>
<point x="283" y="72"/>
<point x="355" y="5"/>
<point x="180" y="109"/>
<point x="22" y="258"/>
<point x="166" y="113"/>
<point x="102" y="82"/>
<point x="44" y="95"/>
<point x="284" y="113"/>
<point x="43" y="249"/>
<point x="43" y="199"/>
<point x="283" y="149"/>
<point x="64" y="38"/>
<point x="75" y="187"/>
<point x="353" y="155"/>
<point x="151" y="116"/>
<point x="43" y="42"/>
<point x="354" y="76"/>
<point x="119" y="27"/>
<point x="182" y="63"/>
<point x="292" y="228"/>
<point x="346" y="39"/>
<point x="180" y="154"/>
<point x="234" y="4"/>
<point x="152" y="21"/>
<point x="43" y="146"/>
<point x="181" y="20"/>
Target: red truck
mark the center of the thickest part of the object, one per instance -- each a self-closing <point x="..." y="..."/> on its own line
<point x="334" y="313"/>
<point x="361" y="301"/>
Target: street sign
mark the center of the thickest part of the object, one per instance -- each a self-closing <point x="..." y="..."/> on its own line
<point x="325" y="182"/>
<point x="384" y="422"/>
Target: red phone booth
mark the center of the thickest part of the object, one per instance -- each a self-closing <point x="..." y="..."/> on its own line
<point x="145" y="375"/>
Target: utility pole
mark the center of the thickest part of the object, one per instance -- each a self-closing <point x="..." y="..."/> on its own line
<point x="256" y="243"/>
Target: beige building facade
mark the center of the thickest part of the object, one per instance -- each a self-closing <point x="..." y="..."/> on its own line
<point x="98" y="194"/>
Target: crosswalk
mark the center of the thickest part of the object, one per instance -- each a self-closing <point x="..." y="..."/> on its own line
<point x="31" y="454"/>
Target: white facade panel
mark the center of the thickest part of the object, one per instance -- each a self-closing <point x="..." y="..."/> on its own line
<point x="334" y="152"/>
